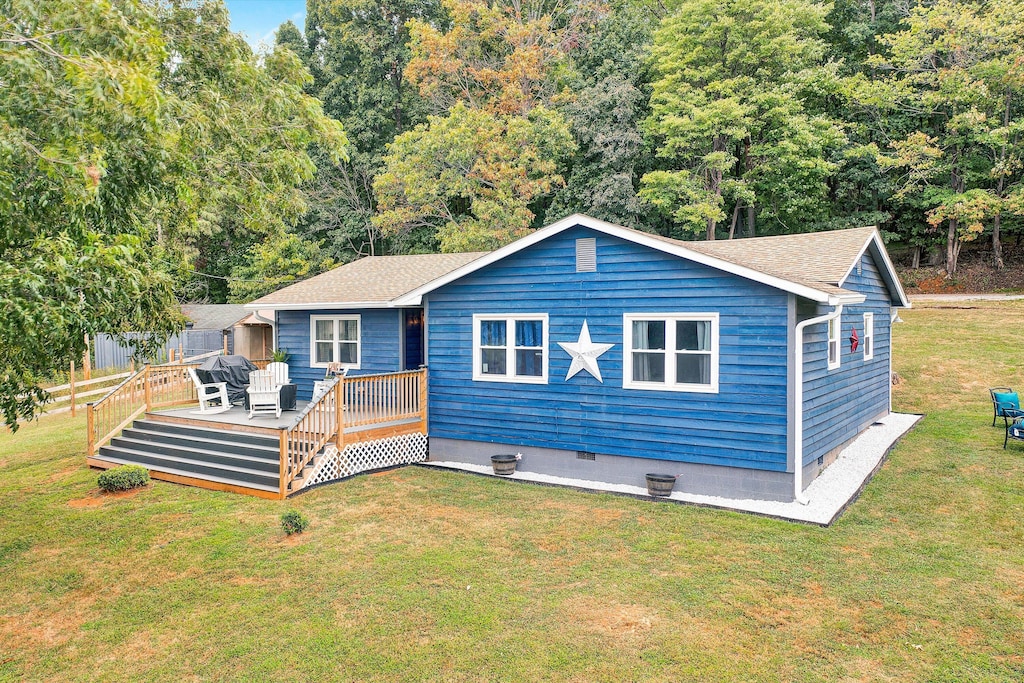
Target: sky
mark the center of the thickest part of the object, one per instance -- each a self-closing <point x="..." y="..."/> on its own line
<point x="257" y="20"/>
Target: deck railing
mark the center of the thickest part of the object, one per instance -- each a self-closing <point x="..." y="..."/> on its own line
<point x="317" y="425"/>
<point x="351" y="402"/>
<point x="374" y="399"/>
<point x="154" y="386"/>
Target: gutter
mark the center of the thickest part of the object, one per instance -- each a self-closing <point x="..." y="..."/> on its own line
<point x="798" y="390"/>
<point x="273" y="327"/>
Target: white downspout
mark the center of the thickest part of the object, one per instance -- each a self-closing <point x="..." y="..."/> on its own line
<point x="798" y="390"/>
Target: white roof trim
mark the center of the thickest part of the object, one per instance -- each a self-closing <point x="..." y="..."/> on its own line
<point x="876" y="239"/>
<point x="311" y="306"/>
<point x="622" y="233"/>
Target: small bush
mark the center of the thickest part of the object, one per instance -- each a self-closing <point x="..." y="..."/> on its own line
<point x="123" y="478"/>
<point x="294" y="522"/>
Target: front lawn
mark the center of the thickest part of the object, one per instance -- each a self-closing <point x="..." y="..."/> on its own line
<point x="417" y="574"/>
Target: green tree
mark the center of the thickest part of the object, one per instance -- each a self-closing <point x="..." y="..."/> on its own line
<point x="243" y="129"/>
<point x="280" y="261"/>
<point x="956" y="68"/>
<point x="359" y="50"/>
<point x="468" y="178"/>
<point x="729" y="117"/>
<point x="83" y="149"/>
<point x="605" y="101"/>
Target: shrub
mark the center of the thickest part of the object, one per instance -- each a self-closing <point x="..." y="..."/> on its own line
<point x="123" y="478"/>
<point x="294" y="522"/>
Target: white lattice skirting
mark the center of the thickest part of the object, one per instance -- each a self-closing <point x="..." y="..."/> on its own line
<point x="368" y="455"/>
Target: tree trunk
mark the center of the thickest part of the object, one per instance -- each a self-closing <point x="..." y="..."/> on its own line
<point x="751" y="218"/>
<point x="916" y="263"/>
<point x="735" y="216"/>
<point x="952" y="248"/>
<point x="997" y="245"/>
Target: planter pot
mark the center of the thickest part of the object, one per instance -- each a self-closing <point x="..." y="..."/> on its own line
<point x="660" y="484"/>
<point x="504" y="464"/>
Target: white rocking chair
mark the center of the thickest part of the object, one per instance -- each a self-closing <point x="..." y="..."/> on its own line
<point x="280" y="372"/>
<point x="264" y="394"/>
<point x="208" y="393"/>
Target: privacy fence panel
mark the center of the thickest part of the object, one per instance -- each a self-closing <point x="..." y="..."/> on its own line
<point x="110" y="351"/>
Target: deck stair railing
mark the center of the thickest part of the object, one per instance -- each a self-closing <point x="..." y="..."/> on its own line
<point x="350" y="402"/>
<point x="154" y="386"/>
<point x="317" y="425"/>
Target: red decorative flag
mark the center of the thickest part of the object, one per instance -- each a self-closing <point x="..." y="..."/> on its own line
<point x="854" y="340"/>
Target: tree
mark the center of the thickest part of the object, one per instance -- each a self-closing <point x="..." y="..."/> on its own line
<point x="243" y="130"/>
<point x="278" y="262"/>
<point x="83" y="149"/>
<point x="729" y="116"/>
<point x="956" y="68"/>
<point x="359" y="50"/>
<point x="605" y="102"/>
<point x="468" y="178"/>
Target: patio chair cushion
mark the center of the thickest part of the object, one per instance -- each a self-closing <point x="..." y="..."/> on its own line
<point x="1007" y="402"/>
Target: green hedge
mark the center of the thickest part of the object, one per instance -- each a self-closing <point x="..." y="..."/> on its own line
<point x="123" y="478"/>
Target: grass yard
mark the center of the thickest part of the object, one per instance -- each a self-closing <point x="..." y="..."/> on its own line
<point x="416" y="574"/>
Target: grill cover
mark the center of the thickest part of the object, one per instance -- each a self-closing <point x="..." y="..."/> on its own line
<point x="231" y="369"/>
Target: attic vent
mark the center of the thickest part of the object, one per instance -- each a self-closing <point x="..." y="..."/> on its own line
<point x="585" y="455"/>
<point x="586" y="255"/>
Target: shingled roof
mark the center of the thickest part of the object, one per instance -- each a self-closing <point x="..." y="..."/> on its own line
<point x="811" y="265"/>
<point x="370" y="282"/>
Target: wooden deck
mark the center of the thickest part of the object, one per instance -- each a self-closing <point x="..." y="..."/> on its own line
<point x="153" y="419"/>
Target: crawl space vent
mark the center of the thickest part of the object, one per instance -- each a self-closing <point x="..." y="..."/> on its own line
<point x="585" y="455"/>
<point x="586" y="255"/>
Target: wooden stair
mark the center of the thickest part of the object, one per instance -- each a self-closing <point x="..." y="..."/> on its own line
<point x="225" y="460"/>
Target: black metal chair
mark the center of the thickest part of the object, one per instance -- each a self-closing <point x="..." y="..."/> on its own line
<point x="1005" y="404"/>
<point x="1015" y="431"/>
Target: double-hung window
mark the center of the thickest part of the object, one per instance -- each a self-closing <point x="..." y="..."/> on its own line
<point x="869" y="336"/>
<point x="510" y="348"/>
<point x="335" y="339"/>
<point x="673" y="352"/>
<point x="834" y="325"/>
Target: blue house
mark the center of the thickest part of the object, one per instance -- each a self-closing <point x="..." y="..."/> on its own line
<point x="602" y="353"/>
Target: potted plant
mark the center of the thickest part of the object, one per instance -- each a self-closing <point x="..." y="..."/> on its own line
<point x="661" y="484"/>
<point x="505" y="464"/>
<point x="280" y="355"/>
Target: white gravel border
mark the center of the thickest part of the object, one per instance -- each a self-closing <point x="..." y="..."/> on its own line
<point x="829" y="494"/>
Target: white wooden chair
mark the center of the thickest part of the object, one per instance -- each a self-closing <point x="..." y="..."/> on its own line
<point x="264" y="394"/>
<point x="210" y="392"/>
<point x="280" y="372"/>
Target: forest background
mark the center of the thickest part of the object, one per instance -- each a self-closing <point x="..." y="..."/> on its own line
<point x="148" y="156"/>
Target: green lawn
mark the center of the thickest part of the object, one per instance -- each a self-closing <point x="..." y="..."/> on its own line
<point x="417" y="574"/>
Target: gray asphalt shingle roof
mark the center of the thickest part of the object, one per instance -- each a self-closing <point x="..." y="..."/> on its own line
<point x="370" y="280"/>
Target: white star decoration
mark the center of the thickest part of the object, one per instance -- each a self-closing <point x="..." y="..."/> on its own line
<point x="585" y="354"/>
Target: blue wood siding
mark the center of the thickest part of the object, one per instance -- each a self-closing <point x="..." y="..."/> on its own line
<point x="743" y="425"/>
<point x="380" y="332"/>
<point x="839" y="403"/>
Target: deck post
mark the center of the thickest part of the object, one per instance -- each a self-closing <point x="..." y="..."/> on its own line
<point x="423" y="398"/>
<point x="339" y="407"/>
<point x="147" y="387"/>
<point x="284" y="458"/>
<point x="90" y="428"/>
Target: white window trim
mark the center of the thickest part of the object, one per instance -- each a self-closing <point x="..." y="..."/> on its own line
<point x="835" y="326"/>
<point x="670" y="353"/>
<point x="869" y="336"/>
<point x="510" y="349"/>
<point x="313" y="319"/>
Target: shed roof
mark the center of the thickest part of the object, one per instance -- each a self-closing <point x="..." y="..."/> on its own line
<point x="214" y="316"/>
<point x="370" y="282"/>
